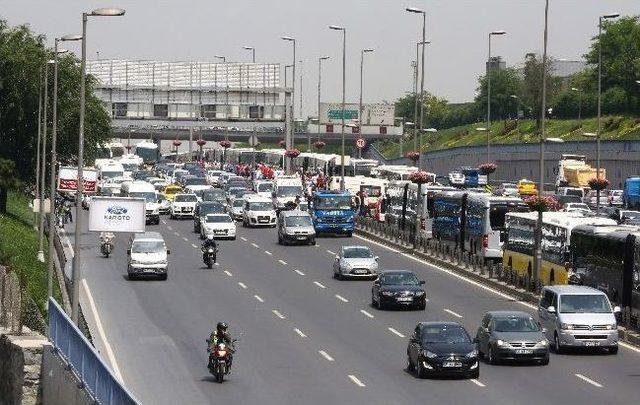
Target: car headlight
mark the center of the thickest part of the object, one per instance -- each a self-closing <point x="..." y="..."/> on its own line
<point x="428" y="354"/>
<point x="613" y="326"/>
<point x="471" y="354"/>
<point x="318" y="219"/>
<point x="386" y="293"/>
<point x="347" y="265"/>
<point x="501" y="343"/>
<point x="543" y="342"/>
<point x="566" y="326"/>
<point x="419" y="293"/>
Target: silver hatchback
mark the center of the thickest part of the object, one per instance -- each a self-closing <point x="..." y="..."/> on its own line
<point x="355" y="262"/>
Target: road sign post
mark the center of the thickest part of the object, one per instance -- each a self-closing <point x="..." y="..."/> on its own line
<point x="360" y="144"/>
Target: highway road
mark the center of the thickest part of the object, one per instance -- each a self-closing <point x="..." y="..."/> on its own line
<point x="307" y="338"/>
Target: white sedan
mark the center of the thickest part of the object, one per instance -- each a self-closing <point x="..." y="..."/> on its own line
<point x="183" y="205"/>
<point x="219" y="225"/>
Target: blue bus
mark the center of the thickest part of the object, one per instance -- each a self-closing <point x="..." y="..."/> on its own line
<point x="333" y="212"/>
<point x="449" y="213"/>
<point x="631" y="194"/>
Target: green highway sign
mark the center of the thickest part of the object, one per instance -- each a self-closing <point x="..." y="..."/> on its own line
<point x="348" y="114"/>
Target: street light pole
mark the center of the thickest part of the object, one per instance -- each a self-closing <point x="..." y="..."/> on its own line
<point x="419" y="132"/>
<point x="579" y="92"/>
<point x="360" y="104"/>
<point x="598" y="133"/>
<point x="344" y="66"/>
<point x="102" y="12"/>
<point x="488" y="70"/>
<point x="320" y="59"/>
<point x="253" y="60"/>
<point x="291" y="142"/>
<point x="36" y="223"/>
<point x="301" y="72"/>
<point x="43" y="163"/>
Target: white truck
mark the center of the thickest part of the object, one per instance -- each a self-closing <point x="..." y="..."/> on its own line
<point x="286" y="190"/>
<point x="142" y="189"/>
<point x="108" y="169"/>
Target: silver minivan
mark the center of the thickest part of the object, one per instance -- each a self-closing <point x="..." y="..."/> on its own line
<point x="295" y="226"/>
<point x="578" y="316"/>
<point x="147" y="256"/>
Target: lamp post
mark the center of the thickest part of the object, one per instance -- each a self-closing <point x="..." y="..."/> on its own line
<point x="226" y="68"/>
<point x="43" y="163"/>
<point x="579" y="92"/>
<point x="101" y="12"/>
<point x="406" y="124"/>
<point x="320" y="59"/>
<point x="344" y="65"/>
<point x="36" y="223"/>
<point x="293" y="86"/>
<point x="492" y="33"/>
<point x="599" y="132"/>
<point x="54" y="158"/>
<point x="253" y="60"/>
<point x="361" y="78"/>
<point x="301" y="71"/>
<point x="424" y="30"/>
<point x="429" y="130"/>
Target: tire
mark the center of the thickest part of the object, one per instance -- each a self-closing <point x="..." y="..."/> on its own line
<point x="613" y="350"/>
<point x="313" y="242"/>
<point x="209" y="264"/>
<point x="163" y="277"/>
<point x="544" y="362"/>
<point x="410" y="366"/>
<point x="373" y="302"/>
<point x="421" y="307"/>
<point x="131" y="276"/>
<point x="557" y="347"/>
<point x="475" y="373"/>
<point x="279" y="239"/>
<point x="420" y="371"/>
<point x="490" y="357"/>
<point x="349" y="234"/>
<point x="339" y="275"/>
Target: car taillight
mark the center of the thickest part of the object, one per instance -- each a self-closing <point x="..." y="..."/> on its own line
<point x="485" y="241"/>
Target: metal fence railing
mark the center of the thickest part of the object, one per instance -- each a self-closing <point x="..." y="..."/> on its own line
<point x="11" y="300"/>
<point x="84" y="361"/>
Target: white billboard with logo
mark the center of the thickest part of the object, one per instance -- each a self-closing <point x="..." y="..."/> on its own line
<point x="117" y="214"/>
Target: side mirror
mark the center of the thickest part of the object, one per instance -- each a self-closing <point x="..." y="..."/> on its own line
<point x="168" y="252"/>
<point x="128" y="252"/>
<point x="616" y="310"/>
<point x="422" y="282"/>
<point x="376" y="258"/>
<point x="551" y="309"/>
<point x="543" y="330"/>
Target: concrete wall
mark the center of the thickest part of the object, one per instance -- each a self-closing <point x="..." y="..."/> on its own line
<point x="20" y="366"/>
<point x="621" y="159"/>
<point x="59" y="385"/>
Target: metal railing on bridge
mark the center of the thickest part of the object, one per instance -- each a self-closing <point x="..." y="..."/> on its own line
<point x="84" y="361"/>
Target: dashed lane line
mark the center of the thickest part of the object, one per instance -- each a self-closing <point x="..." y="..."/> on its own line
<point x="356" y="381"/>
<point x="176" y="233"/>
<point x="169" y="227"/>
<point x="254" y="245"/>
<point x="319" y="284"/>
<point x="325" y="355"/>
<point x="341" y="298"/>
<point x="299" y="272"/>
<point x="588" y="380"/>
<point x="185" y="239"/>
<point x="282" y="262"/>
<point x="243" y="238"/>
<point x="258" y="298"/>
<point x="278" y="314"/>
<point x="457" y="315"/>
<point x="228" y="273"/>
<point x="267" y="252"/>
<point x="299" y="332"/>
<point x="365" y="313"/>
<point x="243" y="285"/>
<point x="193" y="245"/>
<point x="330" y="252"/>
<point x="478" y="383"/>
<point x="164" y="222"/>
<point x="395" y="332"/>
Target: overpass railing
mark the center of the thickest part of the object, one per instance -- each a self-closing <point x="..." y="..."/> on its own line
<point x="84" y="361"/>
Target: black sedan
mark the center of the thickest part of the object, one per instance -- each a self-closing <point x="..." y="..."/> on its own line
<point x="400" y="288"/>
<point x="442" y="348"/>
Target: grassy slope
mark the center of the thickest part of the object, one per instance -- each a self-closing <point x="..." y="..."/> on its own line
<point x="19" y="247"/>
<point x="612" y="128"/>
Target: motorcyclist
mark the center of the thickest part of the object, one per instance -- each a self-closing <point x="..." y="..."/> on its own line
<point x="209" y="242"/>
<point x="218" y="335"/>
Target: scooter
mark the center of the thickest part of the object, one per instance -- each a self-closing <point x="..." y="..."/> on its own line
<point x="210" y="256"/>
<point x="106" y="245"/>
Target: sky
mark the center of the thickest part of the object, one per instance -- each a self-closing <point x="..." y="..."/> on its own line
<point x="458" y="30"/>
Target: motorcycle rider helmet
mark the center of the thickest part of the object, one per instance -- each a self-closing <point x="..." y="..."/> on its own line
<point x="209" y="237"/>
<point x="222" y="327"/>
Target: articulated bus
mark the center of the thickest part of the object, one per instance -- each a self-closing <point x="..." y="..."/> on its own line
<point x="608" y="258"/>
<point x="557" y="227"/>
<point x="394" y="172"/>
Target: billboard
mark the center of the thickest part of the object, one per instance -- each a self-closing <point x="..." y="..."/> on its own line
<point x="68" y="179"/>
<point x="372" y="114"/>
<point x="116" y="214"/>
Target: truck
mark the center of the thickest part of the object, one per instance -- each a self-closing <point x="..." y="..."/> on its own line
<point x="631" y="193"/>
<point x="333" y="212"/>
<point x="287" y="188"/>
<point x="574" y="171"/>
<point x="142" y="189"/>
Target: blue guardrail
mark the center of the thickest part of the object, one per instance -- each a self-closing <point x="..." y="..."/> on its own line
<point x="84" y="360"/>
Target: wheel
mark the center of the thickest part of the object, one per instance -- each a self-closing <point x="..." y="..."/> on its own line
<point x="209" y="264"/>
<point x="557" y="347"/>
<point x="163" y="276"/>
<point x="491" y="359"/>
<point x="373" y="301"/>
<point x="244" y="224"/>
<point x="410" y="366"/>
<point x="421" y="307"/>
<point x="349" y="234"/>
<point x="421" y="372"/>
<point x="545" y="362"/>
<point x="475" y="373"/>
<point x="339" y="275"/>
<point x="131" y="276"/>
<point x="234" y="238"/>
<point x="312" y="242"/>
<point x="279" y="239"/>
<point x="613" y="350"/>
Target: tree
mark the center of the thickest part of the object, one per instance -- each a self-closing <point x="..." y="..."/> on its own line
<point x="504" y="84"/>
<point x="532" y="84"/>
<point x="8" y="181"/>
<point x="22" y="56"/>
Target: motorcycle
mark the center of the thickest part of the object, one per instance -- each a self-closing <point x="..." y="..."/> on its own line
<point x="210" y="256"/>
<point x="219" y="360"/>
<point x="106" y="245"/>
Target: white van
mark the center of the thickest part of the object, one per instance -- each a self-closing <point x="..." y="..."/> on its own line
<point x="142" y="189"/>
<point x="147" y="255"/>
<point x="258" y="211"/>
<point x="109" y="169"/>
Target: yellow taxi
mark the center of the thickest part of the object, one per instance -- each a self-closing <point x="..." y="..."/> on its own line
<point x="527" y="187"/>
<point x="170" y="191"/>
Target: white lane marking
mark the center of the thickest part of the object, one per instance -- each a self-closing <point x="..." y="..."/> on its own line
<point x="476" y="382"/>
<point x="331" y="253"/>
<point x="356" y="381"/>
<point x="588" y="380"/>
<point x="452" y="313"/>
<point x="107" y="346"/>
<point x="217" y="264"/>
<point x="278" y="314"/>
<point x="299" y="332"/>
<point x="368" y="315"/>
<point x="176" y="233"/>
<point x="341" y="298"/>
<point x="164" y="222"/>
<point x="282" y="262"/>
<point x="254" y="245"/>
<point x="267" y="252"/>
<point x="258" y="298"/>
<point x="228" y="273"/>
<point x="243" y="238"/>
<point x="319" y="284"/>
<point x="299" y="272"/>
<point x="185" y="239"/>
<point x="395" y="332"/>
<point x="243" y="285"/>
<point x="325" y="355"/>
<point x="169" y="227"/>
<point x="193" y="245"/>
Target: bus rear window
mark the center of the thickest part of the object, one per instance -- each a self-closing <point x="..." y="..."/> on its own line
<point x="497" y="213"/>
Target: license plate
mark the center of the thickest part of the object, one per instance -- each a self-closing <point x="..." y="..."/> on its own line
<point x="301" y="237"/>
<point x="149" y="271"/>
<point x="404" y="299"/>
<point x="360" y="272"/>
<point x="450" y="364"/>
<point x="592" y="343"/>
<point x="524" y="351"/>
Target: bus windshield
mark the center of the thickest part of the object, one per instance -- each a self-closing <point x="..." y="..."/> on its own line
<point x="333" y="202"/>
<point x="289" y="191"/>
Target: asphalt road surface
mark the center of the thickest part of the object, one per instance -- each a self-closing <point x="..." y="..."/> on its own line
<point x="305" y="337"/>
